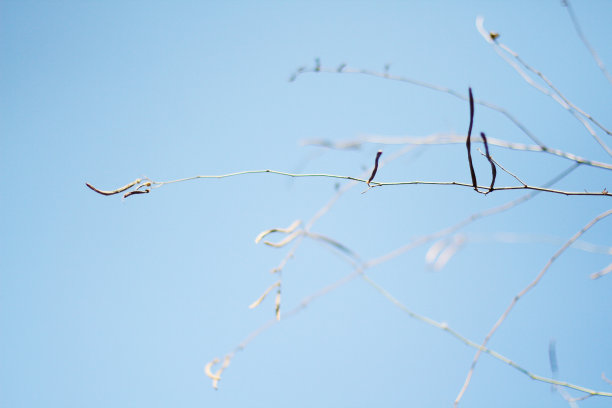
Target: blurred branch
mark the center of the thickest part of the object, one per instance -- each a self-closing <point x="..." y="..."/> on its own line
<point x="584" y="40"/>
<point x="556" y="94"/>
<point x="442" y="139"/>
<point x="354" y="259"/>
<point x="481" y="348"/>
<point x="438" y="88"/>
<point x="523" y="293"/>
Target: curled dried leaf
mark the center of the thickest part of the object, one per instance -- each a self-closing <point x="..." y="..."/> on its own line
<point x="112" y="192"/>
<point x="284" y="241"/>
<point x="208" y="368"/>
<point x="287" y="230"/>
<point x="126" y="195"/>
<point x="216" y="377"/>
<point x="263" y="296"/>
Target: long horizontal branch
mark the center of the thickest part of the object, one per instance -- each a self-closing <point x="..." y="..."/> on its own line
<point x="440" y="139"/>
<point x="375" y="184"/>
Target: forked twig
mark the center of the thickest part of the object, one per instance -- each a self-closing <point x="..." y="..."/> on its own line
<point x="491" y="159"/>
<point x="481" y="349"/>
<point x="522" y="293"/>
<point x="554" y="92"/>
<point x="358" y="271"/>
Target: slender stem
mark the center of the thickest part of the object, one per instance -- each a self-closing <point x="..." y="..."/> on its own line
<point x="522" y="293"/>
<point x="381" y="184"/>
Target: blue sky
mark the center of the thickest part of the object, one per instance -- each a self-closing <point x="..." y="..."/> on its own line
<point x="107" y="301"/>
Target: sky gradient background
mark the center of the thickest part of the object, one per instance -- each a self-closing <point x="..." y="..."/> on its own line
<point x="110" y="302"/>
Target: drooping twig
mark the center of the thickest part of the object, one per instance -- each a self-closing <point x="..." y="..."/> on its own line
<point x="468" y="142"/>
<point x="522" y="293"/>
<point x="491" y="161"/>
<point x="375" y="167"/>
<point x="584" y="40"/>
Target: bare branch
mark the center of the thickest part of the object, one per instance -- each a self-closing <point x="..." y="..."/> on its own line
<point x="468" y="142"/>
<point x="556" y="94"/>
<point x="522" y="293"/>
<point x="584" y="40"/>
<point x="441" y="139"/>
<point x="438" y="88"/>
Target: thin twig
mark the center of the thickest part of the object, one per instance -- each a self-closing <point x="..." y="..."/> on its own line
<point x="522" y="293"/>
<point x="481" y="349"/>
<point x="491" y="161"/>
<point x="603" y="272"/>
<point x="556" y="95"/>
<point x="441" y="139"/>
<point x="438" y="88"/>
<point x="375" y="169"/>
<point x="472" y="218"/>
<point x="584" y="40"/>
<point x="358" y="271"/>
<point x="381" y="184"/>
<point x="468" y="142"/>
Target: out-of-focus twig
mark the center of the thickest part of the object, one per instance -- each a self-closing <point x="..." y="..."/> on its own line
<point x="584" y="40"/>
<point x="522" y="293"/>
<point x="438" y="88"/>
<point x="442" y="139"/>
<point x="552" y="91"/>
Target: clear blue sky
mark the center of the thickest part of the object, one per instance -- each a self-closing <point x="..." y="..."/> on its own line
<point x="107" y="302"/>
